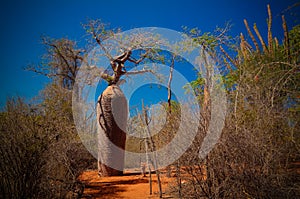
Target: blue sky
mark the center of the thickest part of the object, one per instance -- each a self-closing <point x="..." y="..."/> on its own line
<point x="23" y="22"/>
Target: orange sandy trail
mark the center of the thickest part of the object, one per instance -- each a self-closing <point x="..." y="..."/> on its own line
<point x="126" y="187"/>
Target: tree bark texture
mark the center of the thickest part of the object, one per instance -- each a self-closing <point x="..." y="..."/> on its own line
<point x="112" y="113"/>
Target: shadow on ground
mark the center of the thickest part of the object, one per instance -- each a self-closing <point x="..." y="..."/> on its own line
<point x="110" y="188"/>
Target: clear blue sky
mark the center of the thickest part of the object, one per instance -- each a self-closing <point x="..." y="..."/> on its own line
<point x="23" y="22"/>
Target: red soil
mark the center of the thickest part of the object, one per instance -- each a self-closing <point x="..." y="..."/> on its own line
<point x="129" y="186"/>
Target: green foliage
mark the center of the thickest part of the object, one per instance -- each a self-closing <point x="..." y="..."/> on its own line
<point x="294" y="36"/>
<point x="197" y="86"/>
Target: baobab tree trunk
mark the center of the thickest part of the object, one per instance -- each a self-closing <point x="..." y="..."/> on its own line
<point x="112" y="113"/>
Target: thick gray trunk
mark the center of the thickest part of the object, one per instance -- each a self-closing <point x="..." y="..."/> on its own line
<point x="112" y="113"/>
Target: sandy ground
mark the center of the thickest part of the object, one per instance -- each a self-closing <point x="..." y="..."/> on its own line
<point x="129" y="186"/>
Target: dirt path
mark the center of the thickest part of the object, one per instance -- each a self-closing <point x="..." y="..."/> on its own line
<point x="129" y="186"/>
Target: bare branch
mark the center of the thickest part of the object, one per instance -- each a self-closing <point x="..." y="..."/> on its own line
<point x="143" y="56"/>
<point x="228" y="57"/>
<point x="169" y="83"/>
<point x="139" y="72"/>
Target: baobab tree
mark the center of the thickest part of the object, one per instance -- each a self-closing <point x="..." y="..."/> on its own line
<point x="122" y="52"/>
<point x="112" y="110"/>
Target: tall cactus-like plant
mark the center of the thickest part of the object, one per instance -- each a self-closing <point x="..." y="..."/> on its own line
<point x="270" y="38"/>
<point x="286" y="37"/>
<point x="263" y="44"/>
<point x="270" y="46"/>
<point x="251" y="36"/>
